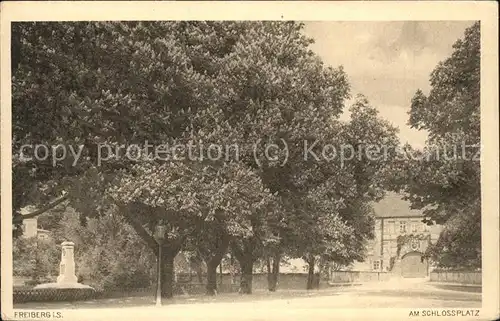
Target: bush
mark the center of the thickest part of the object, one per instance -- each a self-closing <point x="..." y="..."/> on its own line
<point x="457" y="270"/>
<point x="459" y="244"/>
<point x="32" y="283"/>
<point x="108" y="252"/>
<point x="35" y="258"/>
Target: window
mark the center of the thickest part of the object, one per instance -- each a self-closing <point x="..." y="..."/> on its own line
<point x="414" y="227"/>
<point x="43" y="236"/>
<point x="376" y="265"/>
<point x="386" y="228"/>
<point x="390" y="227"/>
<point x="386" y="247"/>
<point x="402" y="227"/>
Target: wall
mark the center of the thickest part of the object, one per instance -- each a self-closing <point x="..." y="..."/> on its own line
<point x="30" y="227"/>
<point x="470" y="278"/>
<point x="285" y="281"/>
<point x="358" y="276"/>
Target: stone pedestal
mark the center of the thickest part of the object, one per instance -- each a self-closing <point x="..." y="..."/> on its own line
<point x="67" y="277"/>
<point x="67" y="265"/>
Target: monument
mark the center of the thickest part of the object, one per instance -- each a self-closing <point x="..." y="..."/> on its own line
<point x="67" y="277"/>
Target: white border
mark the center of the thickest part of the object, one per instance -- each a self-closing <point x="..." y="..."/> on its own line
<point x="486" y="11"/>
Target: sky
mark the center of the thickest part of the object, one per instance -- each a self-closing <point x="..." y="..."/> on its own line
<point x="387" y="61"/>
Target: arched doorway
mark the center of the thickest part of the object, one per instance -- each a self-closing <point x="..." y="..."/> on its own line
<point x="413" y="266"/>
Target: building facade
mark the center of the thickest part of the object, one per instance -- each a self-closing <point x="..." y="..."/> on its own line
<point x="30" y="225"/>
<point x="401" y="239"/>
<point x="30" y="229"/>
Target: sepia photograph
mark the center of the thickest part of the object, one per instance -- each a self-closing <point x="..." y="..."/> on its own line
<point x="249" y="168"/>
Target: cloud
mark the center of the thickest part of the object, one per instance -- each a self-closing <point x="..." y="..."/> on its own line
<point x="387" y="61"/>
<point x="398" y="117"/>
<point x="406" y="38"/>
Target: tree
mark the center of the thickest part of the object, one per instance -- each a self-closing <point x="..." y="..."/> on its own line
<point x="349" y="186"/>
<point x="212" y="246"/>
<point x="244" y="84"/>
<point x="444" y="179"/>
<point x="35" y="258"/>
<point x="459" y="245"/>
<point x="99" y="84"/>
<point x="187" y="199"/>
<point x="279" y="93"/>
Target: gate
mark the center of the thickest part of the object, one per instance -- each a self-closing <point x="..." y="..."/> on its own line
<point x="413" y="266"/>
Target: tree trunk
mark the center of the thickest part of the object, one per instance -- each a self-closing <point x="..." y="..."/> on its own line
<point x="220" y="272"/>
<point x="213" y="261"/>
<point x="232" y="269"/>
<point x="310" y="273"/>
<point x="317" y="278"/>
<point x="211" y="277"/>
<point x="169" y="251"/>
<point x="246" y="276"/>
<point x="269" y="273"/>
<point x="273" y="271"/>
<point x="246" y="260"/>
<point x="199" y="272"/>
<point x="167" y="275"/>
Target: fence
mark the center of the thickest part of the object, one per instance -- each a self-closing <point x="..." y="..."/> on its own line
<point x="358" y="276"/>
<point x="460" y="277"/>
<point x="47" y="295"/>
<point x="27" y="294"/>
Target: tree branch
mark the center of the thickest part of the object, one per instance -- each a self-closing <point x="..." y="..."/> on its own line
<point x="222" y="248"/>
<point x="42" y="210"/>
<point x="141" y="231"/>
<point x="238" y="253"/>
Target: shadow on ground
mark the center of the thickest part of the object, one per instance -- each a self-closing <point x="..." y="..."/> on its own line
<point x="138" y="301"/>
<point x="379" y="295"/>
<point x="459" y="288"/>
<point x="442" y="296"/>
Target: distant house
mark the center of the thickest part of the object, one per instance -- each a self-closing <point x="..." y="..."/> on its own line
<point x="30" y="226"/>
<point x="294" y="266"/>
<point x="30" y="229"/>
<point x="400" y="240"/>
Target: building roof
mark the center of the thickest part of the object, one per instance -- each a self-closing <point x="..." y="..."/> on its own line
<point x="393" y="205"/>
